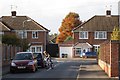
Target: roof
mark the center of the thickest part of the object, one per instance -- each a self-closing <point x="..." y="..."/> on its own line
<point x="16" y="23"/>
<point x="68" y="43"/>
<point x="3" y="27"/>
<point x="83" y="45"/>
<point x="99" y="23"/>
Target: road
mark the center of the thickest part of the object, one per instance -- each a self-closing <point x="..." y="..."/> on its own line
<point x="63" y="70"/>
<point x="67" y="69"/>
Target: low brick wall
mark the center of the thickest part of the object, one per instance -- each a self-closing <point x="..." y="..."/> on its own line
<point x="106" y="67"/>
<point x="108" y="57"/>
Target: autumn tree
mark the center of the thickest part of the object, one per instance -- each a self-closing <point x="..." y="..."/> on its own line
<point x="71" y="21"/>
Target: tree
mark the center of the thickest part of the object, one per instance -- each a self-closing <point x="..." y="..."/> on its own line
<point x="68" y="24"/>
<point x="115" y="34"/>
<point x="25" y="44"/>
<point x="69" y="38"/>
<point x="52" y="37"/>
<point x="11" y="40"/>
<point x="15" y="41"/>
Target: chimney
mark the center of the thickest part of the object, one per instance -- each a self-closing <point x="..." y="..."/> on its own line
<point x="13" y="13"/>
<point x="108" y="12"/>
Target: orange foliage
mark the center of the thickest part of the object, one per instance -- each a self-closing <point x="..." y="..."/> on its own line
<point x="68" y="24"/>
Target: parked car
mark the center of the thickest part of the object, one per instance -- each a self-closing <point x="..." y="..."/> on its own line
<point x="23" y="61"/>
<point x="90" y="54"/>
<point x="40" y="59"/>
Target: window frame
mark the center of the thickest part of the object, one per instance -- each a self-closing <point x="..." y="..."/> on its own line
<point x="84" y="35"/>
<point x="36" y="49"/>
<point x="35" y="33"/>
<point x="97" y="35"/>
<point x="22" y="34"/>
<point x="96" y="48"/>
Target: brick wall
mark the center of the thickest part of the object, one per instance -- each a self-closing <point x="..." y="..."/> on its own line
<point x="91" y="40"/>
<point x="108" y="57"/>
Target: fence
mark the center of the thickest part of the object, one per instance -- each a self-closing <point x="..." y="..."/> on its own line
<point x="8" y="52"/>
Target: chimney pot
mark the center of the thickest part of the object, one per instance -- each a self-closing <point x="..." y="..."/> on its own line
<point x="108" y="12"/>
<point x="13" y="13"/>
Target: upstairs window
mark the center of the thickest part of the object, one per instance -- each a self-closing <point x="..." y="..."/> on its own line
<point x="100" y="35"/>
<point x="35" y="34"/>
<point x="83" y="35"/>
<point x="22" y="34"/>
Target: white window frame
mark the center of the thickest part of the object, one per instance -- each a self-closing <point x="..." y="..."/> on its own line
<point x="78" y="51"/>
<point x="20" y="33"/>
<point x="96" y="48"/>
<point x="97" y="35"/>
<point x="36" y="49"/>
<point x="1" y="33"/>
<point x="83" y="35"/>
<point x="35" y="33"/>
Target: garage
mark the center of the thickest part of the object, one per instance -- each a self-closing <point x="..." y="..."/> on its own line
<point x="65" y="52"/>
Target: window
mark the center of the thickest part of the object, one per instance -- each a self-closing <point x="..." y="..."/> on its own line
<point x="36" y="49"/>
<point x="22" y="34"/>
<point x="1" y="33"/>
<point x="96" y="48"/>
<point x="78" y="51"/>
<point x="83" y="35"/>
<point x="35" y="34"/>
<point x="33" y="49"/>
<point x="100" y="35"/>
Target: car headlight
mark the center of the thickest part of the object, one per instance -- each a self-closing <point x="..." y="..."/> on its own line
<point x="31" y="63"/>
<point x="13" y="64"/>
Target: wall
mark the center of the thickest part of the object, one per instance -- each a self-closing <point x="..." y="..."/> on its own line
<point x="108" y="57"/>
<point x="41" y="40"/>
<point x="90" y="39"/>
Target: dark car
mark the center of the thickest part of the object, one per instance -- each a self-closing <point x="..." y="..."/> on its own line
<point x="90" y="54"/>
<point x="23" y="61"/>
<point x="40" y="59"/>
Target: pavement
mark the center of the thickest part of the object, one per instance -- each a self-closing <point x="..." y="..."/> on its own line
<point x="5" y="69"/>
<point x="87" y="71"/>
<point x="93" y="72"/>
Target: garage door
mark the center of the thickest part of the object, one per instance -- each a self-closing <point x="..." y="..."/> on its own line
<point x="66" y="52"/>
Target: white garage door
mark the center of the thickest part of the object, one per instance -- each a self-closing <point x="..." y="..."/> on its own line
<point x="66" y="51"/>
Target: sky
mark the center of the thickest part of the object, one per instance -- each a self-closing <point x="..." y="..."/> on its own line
<point x="50" y="13"/>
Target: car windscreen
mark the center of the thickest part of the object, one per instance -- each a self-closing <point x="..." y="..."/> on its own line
<point x="23" y="56"/>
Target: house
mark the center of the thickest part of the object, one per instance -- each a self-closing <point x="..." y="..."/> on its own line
<point x="89" y="35"/>
<point x="25" y="27"/>
<point x="4" y="29"/>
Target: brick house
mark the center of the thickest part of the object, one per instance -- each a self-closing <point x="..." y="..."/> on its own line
<point x="89" y="35"/>
<point x="25" y="27"/>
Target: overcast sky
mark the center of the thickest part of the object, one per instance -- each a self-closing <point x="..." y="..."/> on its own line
<point x="50" y="13"/>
